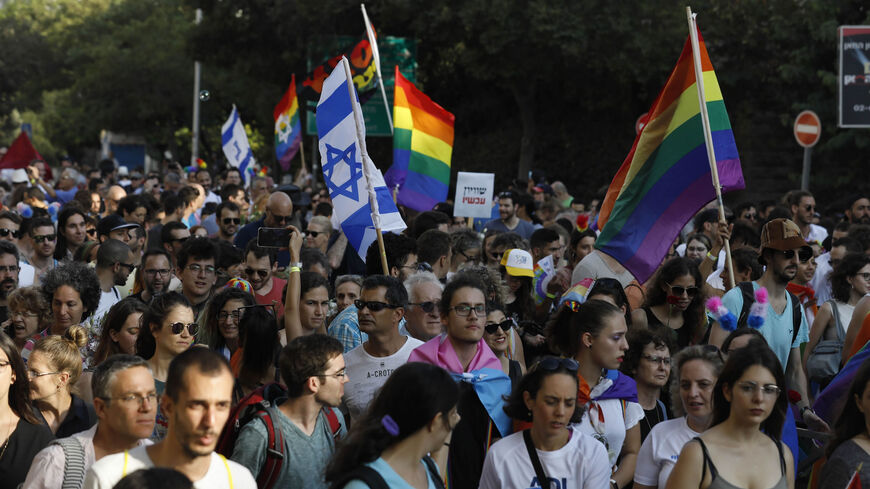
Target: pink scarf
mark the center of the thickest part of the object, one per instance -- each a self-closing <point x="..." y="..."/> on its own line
<point x="439" y="351"/>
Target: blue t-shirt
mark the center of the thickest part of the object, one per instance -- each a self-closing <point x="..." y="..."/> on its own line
<point x="777" y="329"/>
<point x="390" y="476"/>
<point x="524" y="229"/>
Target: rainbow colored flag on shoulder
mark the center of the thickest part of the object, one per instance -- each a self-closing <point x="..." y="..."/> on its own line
<point x="288" y="128"/>
<point x="666" y="179"/>
<point x="422" y="147"/>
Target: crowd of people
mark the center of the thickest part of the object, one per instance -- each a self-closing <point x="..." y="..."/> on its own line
<point x="149" y="339"/>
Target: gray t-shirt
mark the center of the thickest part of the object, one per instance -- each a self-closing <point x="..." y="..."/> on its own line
<point x="524" y="229"/>
<point x="305" y="457"/>
<point x="843" y="463"/>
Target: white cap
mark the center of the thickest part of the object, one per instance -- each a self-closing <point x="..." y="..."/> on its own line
<point x="519" y="263"/>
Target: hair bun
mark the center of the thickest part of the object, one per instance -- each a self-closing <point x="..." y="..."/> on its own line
<point x="77" y="335"/>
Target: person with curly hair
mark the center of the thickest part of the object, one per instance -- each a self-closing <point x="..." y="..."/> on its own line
<point x="675" y="303"/>
<point x="28" y="314"/>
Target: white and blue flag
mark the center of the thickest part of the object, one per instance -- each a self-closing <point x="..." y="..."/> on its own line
<point x="236" y="147"/>
<point x="347" y="168"/>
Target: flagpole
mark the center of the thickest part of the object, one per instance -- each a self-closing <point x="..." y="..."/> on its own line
<point x="377" y="58"/>
<point x="364" y="158"/>
<point x="708" y="135"/>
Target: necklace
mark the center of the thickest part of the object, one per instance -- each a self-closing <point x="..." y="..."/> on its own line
<point x="6" y="443"/>
<point x="658" y="418"/>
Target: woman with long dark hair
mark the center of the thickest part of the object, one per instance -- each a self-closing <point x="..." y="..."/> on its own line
<point x="850" y="446"/>
<point x="749" y="409"/>
<point x="593" y="334"/>
<point x="70" y="231"/>
<point x="498" y="335"/>
<point x="675" y="303"/>
<point x="551" y="449"/>
<point x="120" y="329"/>
<point x="260" y="348"/>
<point x="412" y="416"/>
<point x="221" y="331"/>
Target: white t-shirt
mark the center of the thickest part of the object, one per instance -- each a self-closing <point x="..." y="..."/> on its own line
<point x="616" y="423"/>
<point x="821" y="281"/>
<point x="580" y="464"/>
<point x="659" y="452"/>
<point x="366" y="374"/>
<point x="107" y="471"/>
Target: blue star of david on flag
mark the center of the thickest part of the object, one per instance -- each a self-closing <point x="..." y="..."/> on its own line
<point x="334" y="156"/>
<point x="340" y="128"/>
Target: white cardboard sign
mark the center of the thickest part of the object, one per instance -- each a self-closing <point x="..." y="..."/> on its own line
<point x="473" y="194"/>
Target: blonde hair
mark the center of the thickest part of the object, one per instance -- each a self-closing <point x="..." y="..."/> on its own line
<point x="63" y="351"/>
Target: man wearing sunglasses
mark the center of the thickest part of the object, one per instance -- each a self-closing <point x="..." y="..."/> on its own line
<point x="114" y="264"/>
<point x="260" y="267"/>
<point x="279" y="214"/>
<point x="422" y="314"/>
<point x="44" y="242"/>
<point x="803" y="211"/>
<point x="782" y="248"/>
<point x="380" y="308"/>
<point x="228" y="220"/>
<point x="10" y="230"/>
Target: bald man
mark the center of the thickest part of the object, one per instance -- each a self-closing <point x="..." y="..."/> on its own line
<point x="113" y="197"/>
<point x="279" y="214"/>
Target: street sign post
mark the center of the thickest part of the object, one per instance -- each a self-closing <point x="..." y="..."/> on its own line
<point x="807" y="131"/>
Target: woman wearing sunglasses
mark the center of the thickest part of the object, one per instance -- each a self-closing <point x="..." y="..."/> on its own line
<point x="675" y="303"/>
<point x="697" y="369"/>
<point x="168" y="328"/>
<point x="497" y="335"/>
<point x="593" y="333"/>
<point x="551" y="449"/>
<point x="742" y="448"/>
<point x="54" y="367"/>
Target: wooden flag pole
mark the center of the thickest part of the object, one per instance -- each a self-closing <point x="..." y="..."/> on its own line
<point x="366" y="164"/>
<point x="302" y="151"/>
<point x="708" y="136"/>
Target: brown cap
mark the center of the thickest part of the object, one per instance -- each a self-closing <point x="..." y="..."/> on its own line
<point x="781" y="234"/>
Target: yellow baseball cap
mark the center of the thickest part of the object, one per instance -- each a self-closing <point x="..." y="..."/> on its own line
<point x="518" y="263"/>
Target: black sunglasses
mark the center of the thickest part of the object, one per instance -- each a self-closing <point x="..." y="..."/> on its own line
<point x="804" y="254"/>
<point x="313" y="234"/>
<point x="42" y="239"/>
<point x="679" y="290"/>
<point x="261" y="273"/>
<point x="281" y="219"/>
<point x="504" y="325"/>
<point x="427" y="306"/>
<point x="233" y="220"/>
<point x="374" y="306"/>
<point x="178" y="327"/>
<point x="180" y="240"/>
<point x="6" y="232"/>
<point x="553" y="363"/>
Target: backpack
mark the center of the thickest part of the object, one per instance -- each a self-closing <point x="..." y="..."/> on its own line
<point x="256" y="405"/>
<point x="374" y="480"/>
<point x="749" y="299"/>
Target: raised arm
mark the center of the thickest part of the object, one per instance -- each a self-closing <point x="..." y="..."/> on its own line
<point x="292" y="323"/>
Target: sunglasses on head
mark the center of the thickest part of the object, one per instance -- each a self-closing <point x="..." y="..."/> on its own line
<point x="427" y="306"/>
<point x="373" y="306"/>
<point x="178" y="327"/>
<point x="804" y="254"/>
<point x="553" y="363"/>
<point x="6" y="232"/>
<point x="679" y="290"/>
<point x="505" y="326"/>
<point x="262" y="273"/>
<point x="232" y="220"/>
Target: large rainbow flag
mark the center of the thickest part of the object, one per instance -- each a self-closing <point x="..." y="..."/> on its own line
<point x="288" y="128"/>
<point x="422" y="147"/>
<point x="666" y="179"/>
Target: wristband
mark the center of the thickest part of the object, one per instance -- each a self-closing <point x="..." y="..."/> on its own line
<point x="805" y="409"/>
<point x="550" y="296"/>
<point x="712" y="257"/>
<point x="295" y="269"/>
<point x="297" y="264"/>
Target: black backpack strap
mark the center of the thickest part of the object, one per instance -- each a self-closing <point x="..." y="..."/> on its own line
<point x="433" y="472"/>
<point x="364" y="473"/>
<point x="796" y="316"/>
<point x="748" y="298"/>
<point x="543" y="480"/>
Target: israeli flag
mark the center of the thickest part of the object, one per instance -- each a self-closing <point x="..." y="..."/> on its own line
<point x="236" y="147"/>
<point x="347" y="168"/>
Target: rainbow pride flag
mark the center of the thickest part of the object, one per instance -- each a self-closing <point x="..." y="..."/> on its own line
<point x="422" y="147"/>
<point x="665" y="179"/>
<point x="288" y="128"/>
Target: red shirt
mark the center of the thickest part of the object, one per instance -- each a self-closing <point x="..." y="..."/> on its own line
<point x="274" y="295"/>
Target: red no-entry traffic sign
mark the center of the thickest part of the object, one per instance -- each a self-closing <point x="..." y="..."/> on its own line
<point x="807" y="128"/>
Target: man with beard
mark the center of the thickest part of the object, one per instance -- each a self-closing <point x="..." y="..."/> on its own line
<point x="10" y="231"/>
<point x="858" y="210"/>
<point x="782" y="247"/>
<point x="228" y="219"/>
<point x="8" y="275"/>
<point x="260" y="267"/>
<point x="196" y="401"/>
<point x="157" y="273"/>
<point x="279" y="214"/>
<point x="508" y="220"/>
<point x="803" y="210"/>
<point x="44" y="239"/>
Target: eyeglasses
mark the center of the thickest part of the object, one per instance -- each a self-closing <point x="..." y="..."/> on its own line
<point x="223" y="315"/>
<point x="465" y="309"/>
<point x="178" y="327"/>
<point x="196" y="268"/>
<point x="553" y="363"/>
<point x="261" y="273"/>
<point x="6" y="232"/>
<point x="314" y="234"/>
<point x="232" y="220"/>
<point x="338" y="375"/>
<point x="750" y="388"/>
<point x="750" y="216"/>
<point x="679" y="290"/>
<point x="161" y="271"/>
<point x="136" y="399"/>
<point x="129" y="266"/>
<point x="665" y="361"/>
<point x="469" y="258"/>
<point x="8" y="269"/>
<point x="805" y="253"/>
<point x="505" y="326"/>
<point x="373" y="306"/>
<point x="865" y="276"/>
<point x="33" y="374"/>
<point x="427" y="306"/>
<point x="47" y="237"/>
